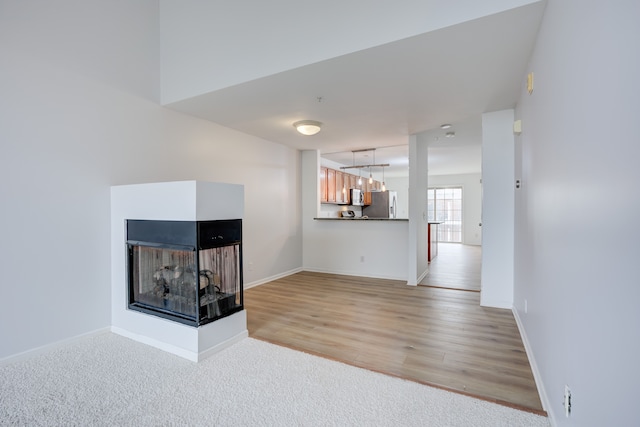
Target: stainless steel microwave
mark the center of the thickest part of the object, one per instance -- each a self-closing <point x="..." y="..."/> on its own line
<point x="357" y="197"/>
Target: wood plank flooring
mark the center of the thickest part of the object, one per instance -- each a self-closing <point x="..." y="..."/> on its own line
<point x="457" y="266"/>
<point x="430" y="335"/>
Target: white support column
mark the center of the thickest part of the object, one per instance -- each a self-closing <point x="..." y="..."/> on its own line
<point x="418" y="266"/>
<point x="498" y="181"/>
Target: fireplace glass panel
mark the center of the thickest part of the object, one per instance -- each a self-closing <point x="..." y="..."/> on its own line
<point x="219" y="281"/>
<point x="165" y="279"/>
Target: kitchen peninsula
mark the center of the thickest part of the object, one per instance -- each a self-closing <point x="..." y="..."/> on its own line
<point x="432" y="240"/>
<point x="359" y="245"/>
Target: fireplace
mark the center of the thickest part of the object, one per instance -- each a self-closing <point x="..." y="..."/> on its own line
<point x="185" y="271"/>
<point x="176" y="267"/>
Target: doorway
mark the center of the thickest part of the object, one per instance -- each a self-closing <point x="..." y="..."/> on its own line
<point x="444" y="205"/>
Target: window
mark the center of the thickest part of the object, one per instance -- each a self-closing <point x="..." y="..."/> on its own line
<point x="445" y="206"/>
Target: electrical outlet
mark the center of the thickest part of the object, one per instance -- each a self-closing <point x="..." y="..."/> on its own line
<point x="567" y="401"/>
<point x="361" y="258"/>
<point x="250" y="267"/>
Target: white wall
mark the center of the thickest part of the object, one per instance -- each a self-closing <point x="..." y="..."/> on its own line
<point x="207" y="46"/>
<point x="577" y="212"/>
<point x="497" y="209"/>
<point x="471" y="202"/>
<point x="78" y="83"/>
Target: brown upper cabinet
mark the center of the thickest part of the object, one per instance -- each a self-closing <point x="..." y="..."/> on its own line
<point x="331" y="186"/>
<point x="339" y="185"/>
<point x="335" y="186"/>
<point x="323" y="185"/>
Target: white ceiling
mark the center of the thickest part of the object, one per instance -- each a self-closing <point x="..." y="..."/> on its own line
<point x="378" y="97"/>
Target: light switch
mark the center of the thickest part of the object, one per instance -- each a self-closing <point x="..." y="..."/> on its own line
<point x="517" y="127"/>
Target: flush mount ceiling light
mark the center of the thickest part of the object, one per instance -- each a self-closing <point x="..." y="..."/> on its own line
<point x="445" y="126"/>
<point x="307" y="127"/>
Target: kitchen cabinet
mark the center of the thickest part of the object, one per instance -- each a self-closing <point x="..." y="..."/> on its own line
<point x="323" y="185"/>
<point x="331" y="186"/>
<point x="353" y="181"/>
<point x="367" y="198"/>
<point x="335" y="186"/>
<point x="341" y="188"/>
<point x="347" y="193"/>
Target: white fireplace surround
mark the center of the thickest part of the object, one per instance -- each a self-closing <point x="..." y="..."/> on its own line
<point x="171" y="201"/>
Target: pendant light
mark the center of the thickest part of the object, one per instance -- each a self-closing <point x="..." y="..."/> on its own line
<point x="384" y="188"/>
<point x="374" y="162"/>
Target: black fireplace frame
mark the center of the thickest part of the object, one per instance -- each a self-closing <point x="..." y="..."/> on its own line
<point x="183" y="236"/>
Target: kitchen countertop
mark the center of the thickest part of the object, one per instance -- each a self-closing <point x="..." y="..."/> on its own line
<point x="361" y="219"/>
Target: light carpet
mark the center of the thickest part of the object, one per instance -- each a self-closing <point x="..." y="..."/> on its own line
<point x="109" y="380"/>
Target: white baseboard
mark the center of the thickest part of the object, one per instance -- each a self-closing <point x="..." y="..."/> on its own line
<point x="50" y="347"/>
<point x="354" y="274"/>
<point x="169" y="348"/>
<point x="178" y="351"/>
<point x="313" y="270"/>
<point x="422" y="276"/>
<point x="544" y="399"/>
<point x="507" y="305"/>
<point x="205" y="341"/>
<point x="228" y="343"/>
<point x="275" y="277"/>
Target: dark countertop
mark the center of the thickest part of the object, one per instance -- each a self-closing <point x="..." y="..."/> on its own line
<point x="361" y="219"/>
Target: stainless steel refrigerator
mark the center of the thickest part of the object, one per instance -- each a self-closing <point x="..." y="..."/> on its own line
<point x="384" y="204"/>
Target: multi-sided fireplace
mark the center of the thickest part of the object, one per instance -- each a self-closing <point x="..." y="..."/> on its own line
<point x="176" y="265"/>
<point x="186" y="271"/>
